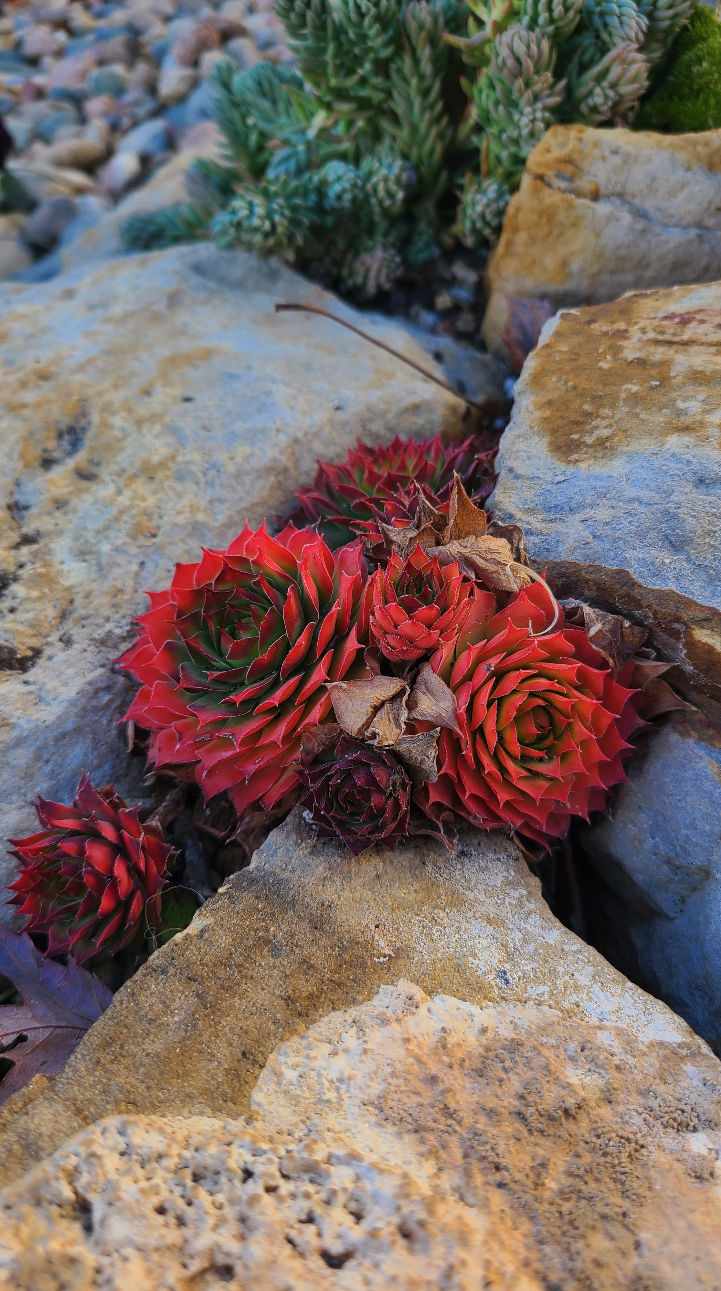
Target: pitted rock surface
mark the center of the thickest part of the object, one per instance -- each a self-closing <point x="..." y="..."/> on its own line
<point x="200" y="1204"/>
<point x="602" y="212"/>
<point x="307" y="929"/>
<point x="409" y="1143"/>
<point x="150" y="405"/>
<point x="612" y="465"/>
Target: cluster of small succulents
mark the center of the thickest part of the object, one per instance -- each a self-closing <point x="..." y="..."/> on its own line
<point x="355" y="160"/>
<point x="409" y="672"/>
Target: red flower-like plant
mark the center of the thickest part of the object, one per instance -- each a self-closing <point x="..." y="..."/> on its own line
<point x="234" y="655"/>
<point x="544" y="725"/>
<point x="92" y="875"/>
<point x="355" y="490"/>
<point x="362" y="796"/>
<point x="415" y="605"/>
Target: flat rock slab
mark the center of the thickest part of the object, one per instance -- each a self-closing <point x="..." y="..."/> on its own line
<point x="409" y="1143"/>
<point x="149" y="406"/>
<point x="603" y="212"/>
<point x="612" y="466"/>
<point x="305" y="930"/>
<point x="612" y="460"/>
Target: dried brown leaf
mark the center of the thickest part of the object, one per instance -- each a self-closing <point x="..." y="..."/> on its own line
<point x="356" y="703"/>
<point x="465" y="520"/>
<point x="389" y="722"/>
<point x="433" y="701"/>
<point x="419" y="755"/>
<point x="316" y="739"/>
<point x="428" y="515"/>
<point x="658" y="697"/>
<point x="647" y="670"/>
<point x="613" y="636"/>
<point x="514" y="536"/>
<point x="405" y="540"/>
<point x="488" y="560"/>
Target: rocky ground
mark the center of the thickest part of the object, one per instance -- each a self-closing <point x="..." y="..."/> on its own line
<point x="97" y="97"/>
<point x="391" y="1071"/>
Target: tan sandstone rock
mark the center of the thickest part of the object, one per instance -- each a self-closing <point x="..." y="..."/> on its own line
<point x="411" y="1143"/>
<point x="602" y="212"/>
<point x="307" y="929"/>
<point x="149" y="406"/>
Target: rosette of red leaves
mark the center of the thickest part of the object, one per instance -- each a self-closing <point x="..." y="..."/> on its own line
<point x="544" y="725"/>
<point x="92" y="878"/>
<point x="415" y="605"/>
<point x="233" y="658"/>
<point x="362" y="796"/>
<point x="346" y="493"/>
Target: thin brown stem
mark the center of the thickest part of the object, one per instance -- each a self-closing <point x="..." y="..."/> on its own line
<point x="325" y="313"/>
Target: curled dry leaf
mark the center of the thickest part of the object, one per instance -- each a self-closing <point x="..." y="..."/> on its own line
<point x="405" y="540"/>
<point x="487" y="560"/>
<point x="613" y="636"/>
<point x="431" y="700"/>
<point x="355" y="703"/>
<point x="658" y="697"/>
<point x="389" y="722"/>
<point x="514" y="536"/>
<point x="464" y="519"/>
<point x="419" y="755"/>
<point x="316" y="739"/>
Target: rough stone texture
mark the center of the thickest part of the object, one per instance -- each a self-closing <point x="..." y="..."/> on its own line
<point x="165" y="188"/>
<point x="177" y="1205"/>
<point x="612" y="466"/>
<point x="151" y="405"/>
<point x="602" y="212"/>
<point x="307" y="929"/>
<point x="408" y="1143"/>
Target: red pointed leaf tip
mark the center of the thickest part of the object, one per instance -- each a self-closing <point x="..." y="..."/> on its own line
<point x="362" y="796"/>
<point x="86" y="880"/>
<point x="544" y="726"/>
<point x="356" y="490"/>
<point x="239" y="669"/>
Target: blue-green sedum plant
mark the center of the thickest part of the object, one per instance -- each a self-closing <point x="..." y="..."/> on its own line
<point x="406" y="124"/>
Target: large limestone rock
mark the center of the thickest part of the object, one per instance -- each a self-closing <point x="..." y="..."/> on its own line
<point x="408" y="1143"/>
<point x="149" y="406"/>
<point x="308" y="929"/>
<point x="602" y="212"/>
<point x="612" y="465"/>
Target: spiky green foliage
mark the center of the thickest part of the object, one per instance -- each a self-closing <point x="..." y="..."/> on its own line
<point x="356" y="159"/>
<point x="554" y="19"/>
<point x="685" y="93"/>
<point x="611" y="86"/>
<point x="481" y="210"/>
<point x="153" y="230"/>
<point x="514" y="101"/>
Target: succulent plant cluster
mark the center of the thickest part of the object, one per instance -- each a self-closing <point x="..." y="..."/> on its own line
<point x="411" y="671"/>
<point x="355" y="160"/>
<point x="412" y="674"/>
<point x="92" y="878"/>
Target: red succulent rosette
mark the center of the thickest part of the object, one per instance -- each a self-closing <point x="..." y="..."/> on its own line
<point x="415" y="605"/>
<point x="233" y="658"/>
<point x="346" y="493"/>
<point x="544" y="726"/>
<point x="362" y="796"/>
<point x="92" y="878"/>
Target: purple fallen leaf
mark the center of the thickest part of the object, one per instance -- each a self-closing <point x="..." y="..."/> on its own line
<point x="59" y="1005"/>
